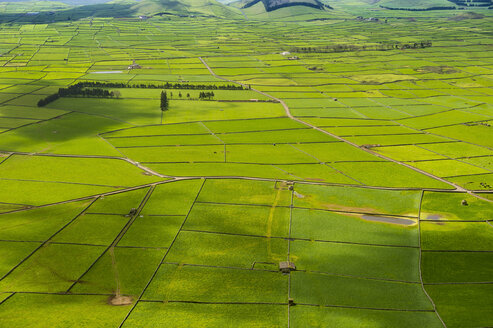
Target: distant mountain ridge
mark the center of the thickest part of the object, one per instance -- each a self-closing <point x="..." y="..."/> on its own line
<point x="271" y="5"/>
<point x="69" y="2"/>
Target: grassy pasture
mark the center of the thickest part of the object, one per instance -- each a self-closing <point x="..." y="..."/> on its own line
<point x="408" y="153"/>
<point x="195" y="283"/>
<point x="387" y="174"/>
<point x="395" y="263"/>
<point x="175" y="154"/>
<point x="28" y="192"/>
<point x="328" y="290"/>
<point x="244" y="192"/>
<point x="130" y="111"/>
<point x="456" y="267"/>
<point x="455" y="235"/>
<point x="92" y="229"/>
<point x="71" y="134"/>
<point x="120" y="203"/>
<point x="38" y="224"/>
<point x="220" y="169"/>
<point x="343" y="317"/>
<point x="135" y="267"/>
<point x="28" y="310"/>
<point x="89" y="171"/>
<point x="226" y="250"/>
<point x="360" y="200"/>
<point x="12" y="253"/>
<point x="52" y="269"/>
<point x="164" y="130"/>
<point x="347" y="227"/>
<point x="445" y="206"/>
<point x="180" y="314"/>
<point x="449" y="168"/>
<point x="185" y="110"/>
<point x="463" y="305"/>
<point x="159" y="231"/>
<point x="481" y="182"/>
<point x="249" y="220"/>
<point x="348" y="219"/>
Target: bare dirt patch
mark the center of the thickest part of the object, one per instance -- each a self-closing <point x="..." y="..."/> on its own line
<point x="386" y="219"/>
<point x="119" y="300"/>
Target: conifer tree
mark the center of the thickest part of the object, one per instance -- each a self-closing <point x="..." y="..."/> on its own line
<point x="164" y="101"/>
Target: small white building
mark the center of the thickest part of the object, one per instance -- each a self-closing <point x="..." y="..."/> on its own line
<point x="134" y="66"/>
<point x="285" y="53"/>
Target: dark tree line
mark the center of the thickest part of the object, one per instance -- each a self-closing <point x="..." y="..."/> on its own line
<point x="350" y="47"/>
<point x="206" y="95"/>
<point x="167" y="85"/>
<point x="48" y="99"/>
<point x="420" y="9"/>
<point x="77" y="90"/>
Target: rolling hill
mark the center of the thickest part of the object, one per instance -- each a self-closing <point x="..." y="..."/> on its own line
<point x="271" y="5"/>
<point x="186" y="7"/>
<point x="121" y="8"/>
<point x="428" y="4"/>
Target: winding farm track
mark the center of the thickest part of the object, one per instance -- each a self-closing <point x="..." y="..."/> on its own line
<point x="456" y="187"/>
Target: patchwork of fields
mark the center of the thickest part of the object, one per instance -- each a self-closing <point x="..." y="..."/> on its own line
<point x="370" y="170"/>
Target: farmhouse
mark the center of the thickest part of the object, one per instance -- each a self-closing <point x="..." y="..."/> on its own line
<point x="134" y="66"/>
<point x="286" y="267"/>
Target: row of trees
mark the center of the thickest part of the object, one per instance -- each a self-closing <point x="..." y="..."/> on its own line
<point x="165" y="100"/>
<point x="167" y="85"/>
<point x="421" y="9"/>
<point x="89" y="89"/>
<point x="45" y="101"/>
<point x="351" y="47"/>
<point x="77" y="90"/>
<point x="206" y="95"/>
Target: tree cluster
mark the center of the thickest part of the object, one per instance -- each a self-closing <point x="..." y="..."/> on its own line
<point x="77" y="90"/>
<point x="206" y="95"/>
<point x="350" y="47"/>
<point x="45" y="101"/>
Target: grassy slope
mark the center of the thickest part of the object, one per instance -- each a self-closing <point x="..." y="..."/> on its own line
<point x="415" y="4"/>
<point x="186" y="7"/>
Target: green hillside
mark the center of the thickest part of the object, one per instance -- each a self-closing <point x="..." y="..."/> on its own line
<point x="185" y="7"/>
<point x="49" y="11"/>
<point x="271" y="5"/>
<point x="285" y="9"/>
<point x="415" y="4"/>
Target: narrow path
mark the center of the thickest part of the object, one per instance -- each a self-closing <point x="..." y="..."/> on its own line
<point x="288" y="113"/>
<point x="420" y="263"/>
<point x="244" y="14"/>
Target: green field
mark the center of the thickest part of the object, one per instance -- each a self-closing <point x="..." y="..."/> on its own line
<point x="360" y="149"/>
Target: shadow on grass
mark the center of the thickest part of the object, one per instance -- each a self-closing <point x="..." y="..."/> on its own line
<point x="72" y="14"/>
